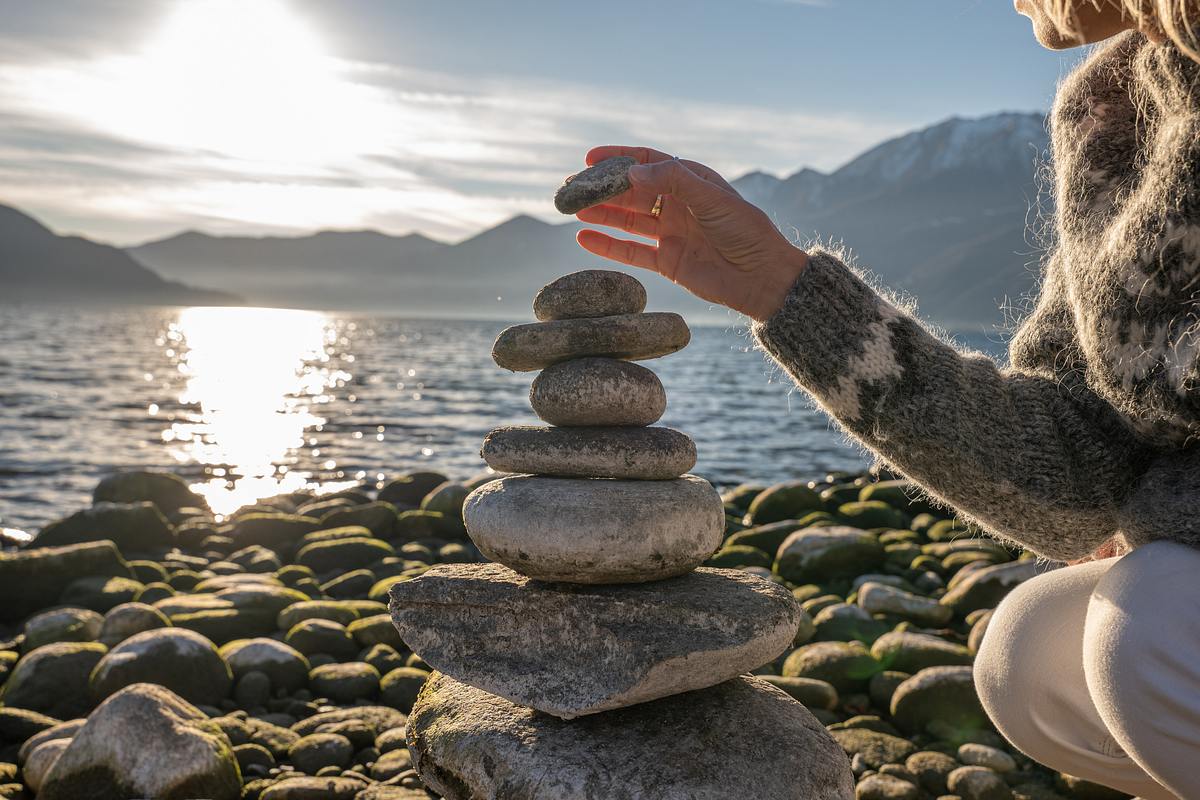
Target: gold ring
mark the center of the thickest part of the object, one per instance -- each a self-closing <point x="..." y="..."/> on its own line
<point x="656" y="209"/>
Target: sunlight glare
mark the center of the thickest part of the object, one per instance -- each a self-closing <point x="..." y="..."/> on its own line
<point x="249" y="375"/>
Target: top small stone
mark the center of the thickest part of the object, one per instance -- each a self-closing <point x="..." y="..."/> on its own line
<point x="590" y="293"/>
<point x="597" y="183"/>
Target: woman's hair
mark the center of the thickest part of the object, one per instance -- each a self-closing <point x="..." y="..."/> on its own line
<point x="1177" y="20"/>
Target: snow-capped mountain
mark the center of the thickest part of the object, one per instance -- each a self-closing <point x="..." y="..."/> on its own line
<point x="942" y="214"/>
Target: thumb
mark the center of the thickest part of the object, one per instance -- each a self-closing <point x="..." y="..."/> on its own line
<point x="674" y="178"/>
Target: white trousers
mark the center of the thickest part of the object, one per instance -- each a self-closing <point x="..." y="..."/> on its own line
<point x="1094" y="670"/>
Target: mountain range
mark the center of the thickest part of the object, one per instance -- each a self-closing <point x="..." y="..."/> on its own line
<point x="940" y="214"/>
<point x="37" y="265"/>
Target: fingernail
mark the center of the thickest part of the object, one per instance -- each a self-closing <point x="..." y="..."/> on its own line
<point x="639" y="173"/>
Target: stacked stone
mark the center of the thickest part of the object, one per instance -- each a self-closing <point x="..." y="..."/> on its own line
<point x="596" y="657"/>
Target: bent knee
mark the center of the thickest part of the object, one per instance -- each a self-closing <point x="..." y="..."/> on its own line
<point x="1011" y="664"/>
<point x="1138" y="635"/>
<point x="1029" y="660"/>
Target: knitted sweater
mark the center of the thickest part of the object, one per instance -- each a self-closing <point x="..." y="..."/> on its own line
<point x="1093" y="428"/>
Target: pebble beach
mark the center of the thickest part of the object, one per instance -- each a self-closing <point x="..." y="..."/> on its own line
<point x="266" y="642"/>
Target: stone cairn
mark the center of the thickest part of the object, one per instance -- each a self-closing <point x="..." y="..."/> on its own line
<point x="595" y="658"/>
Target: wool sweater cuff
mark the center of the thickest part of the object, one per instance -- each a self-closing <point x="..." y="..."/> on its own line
<point x="822" y="321"/>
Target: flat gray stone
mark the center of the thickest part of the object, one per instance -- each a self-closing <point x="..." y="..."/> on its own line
<point x="649" y="454"/>
<point x="598" y="391"/>
<point x="596" y="531"/>
<point x="742" y="738"/>
<point x="590" y="293"/>
<point x="571" y="650"/>
<point x="633" y="337"/>
<point x="599" y="182"/>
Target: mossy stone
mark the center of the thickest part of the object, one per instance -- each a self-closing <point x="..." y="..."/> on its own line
<point x="345" y="683"/>
<point x="101" y="594"/>
<point x="811" y="692"/>
<point x="407" y="491"/>
<point x="132" y="527"/>
<point x="819" y="554"/>
<point x="313" y="636"/>
<point x="61" y="625"/>
<point x="940" y="701"/>
<point x="783" y="501"/>
<point x="180" y="660"/>
<point x="735" y="556"/>
<point x="400" y="687"/>
<point x="848" y="666"/>
<point x="54" y="679"/>
<point x="872" y="514"/>
<point x="379" y="517"/>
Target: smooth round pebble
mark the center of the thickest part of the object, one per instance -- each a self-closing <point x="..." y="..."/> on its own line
<point x="633" y="337"/>
<point x="980" y="755"/>
<point x="590" y="293"/>
<point x="592" y="531"/>
<point x="652" y="454"/>
<point x="319" y="750"/>
<point x="598" y="391"/>
<point x="978" y="783"/>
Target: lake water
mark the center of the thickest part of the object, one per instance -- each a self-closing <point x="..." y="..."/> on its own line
<point x="247" y="402"/>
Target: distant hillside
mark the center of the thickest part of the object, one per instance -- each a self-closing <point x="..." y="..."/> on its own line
<point x="942" y="214"/>
<point x="38" y="265"/>
<point x="939" y="213"/>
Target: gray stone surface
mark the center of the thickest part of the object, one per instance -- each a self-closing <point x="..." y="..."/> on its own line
<point x="880" y="599"/>
<point x="596" y="184"/>
<point x="596" y="531"/>
<point x="572" y="650"/>
<point x="740" y="739"/>
<point x="986" y="587"/>
<point x="598" y="391"/>
<point x="180" y="660"/>
<point x="634" y="337"/>
<point x="590" y="293"/>
<point x="632" y="453"/>
<point x="145" y="741"/>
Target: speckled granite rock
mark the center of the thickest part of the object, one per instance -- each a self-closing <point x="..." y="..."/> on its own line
<point x="632" y="453"/>
<point x="704" y="745"/>
<point x="590" y="293"/>
<point x="536" y="345"/>
<point x="598" y="391"/>
<point x="571" y="650"/>
<point x="596" y="531"/>
<point x="599" y="182"/>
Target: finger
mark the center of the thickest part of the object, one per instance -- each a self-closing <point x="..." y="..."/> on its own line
<point x="709" y="174"/>
<point x="643" y="155"/>
<point x="673" y="178"/>
<point x="635" y="254"/>
<point x="624" y="219"/>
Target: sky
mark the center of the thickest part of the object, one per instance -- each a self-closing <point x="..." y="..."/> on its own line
<point x="130" y="120"/>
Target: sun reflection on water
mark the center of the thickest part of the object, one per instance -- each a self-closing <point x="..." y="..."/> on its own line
<point x="255" y="379"/>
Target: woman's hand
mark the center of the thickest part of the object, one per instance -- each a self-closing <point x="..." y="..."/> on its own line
<point x="710" y="241"/>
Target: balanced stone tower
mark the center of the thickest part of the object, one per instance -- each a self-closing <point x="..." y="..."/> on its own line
<point x="595" y="658"/>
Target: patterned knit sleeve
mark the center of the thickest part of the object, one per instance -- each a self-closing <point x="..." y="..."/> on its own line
<point x="1025" y="456"/>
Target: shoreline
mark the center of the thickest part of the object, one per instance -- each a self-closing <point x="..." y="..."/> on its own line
<point x="291" y="651"/>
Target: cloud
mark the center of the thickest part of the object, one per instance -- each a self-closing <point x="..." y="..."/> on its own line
<point x="201" y="128"/>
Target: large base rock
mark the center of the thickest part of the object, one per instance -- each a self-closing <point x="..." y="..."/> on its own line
<point x="742" y="738"/>
<point x="571" y="650"/>
<point x="145" y="741"/>
<point x="596" y="531"/>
